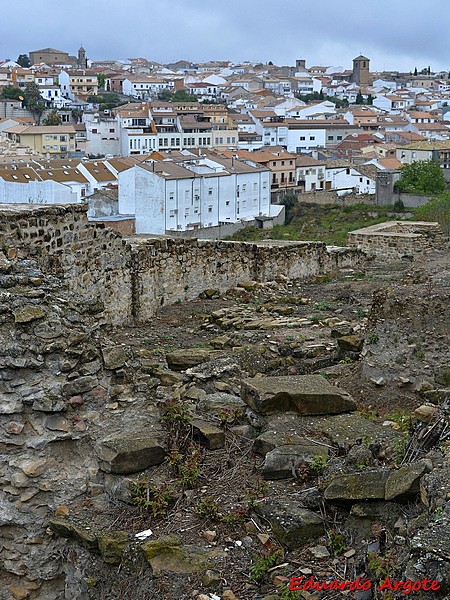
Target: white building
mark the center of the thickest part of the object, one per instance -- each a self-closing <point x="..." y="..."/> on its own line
<point x="102" y="133"/>
<point x="146" y="87"/>
<point x="193" y="192"/>
<point x="346" y="180"/>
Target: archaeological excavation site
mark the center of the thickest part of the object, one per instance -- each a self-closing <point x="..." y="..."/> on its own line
<point x="219" y="420"/>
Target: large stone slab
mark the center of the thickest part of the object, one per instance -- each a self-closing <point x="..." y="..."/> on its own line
<point x="343" y="431"/>
<point x="130" y="452"/>
<point x="180" y="360"/>
<point x="304" y="394"/>
<point x="167" y="555"/>
<point x="405" y="481"/>
<point x="283" y="462"/>
<point x="291" y="524"/>
<point x="365" y="485"/>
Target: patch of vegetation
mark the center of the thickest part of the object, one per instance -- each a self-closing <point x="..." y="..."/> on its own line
<point x="150" y="497"/>
<point x="367" y="413"/>
<point x="372" y="338"/>
<point x="436" y="209"/>
<point x="184" y="455"/>
<point x="262" y="566"/>
<point x="318" y="464"/>
<point x="336" y="543"/>
<point x="310" y="222"/>
<point x="401" y="418"/>
<point x="324" y="306"/>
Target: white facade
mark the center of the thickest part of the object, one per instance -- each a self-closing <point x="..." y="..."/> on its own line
<point x="36" y="192"/>
<point x="312" y="177"/>
<point x="146" y="88"/>
<point x="305" y="139"/>
<point x="102" y="134"/>
<point x="347" y="180"/>
<point x="206" y="198"/>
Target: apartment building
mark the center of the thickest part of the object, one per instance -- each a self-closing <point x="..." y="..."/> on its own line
<point x="56" y="141"/>
<point x="189" y="192"/>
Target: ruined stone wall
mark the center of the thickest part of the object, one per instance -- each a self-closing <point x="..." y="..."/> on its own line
<point x="91" y="259"/>
<point x="168" y="270"/>
<point x="326" y="198"/>
<point x="396" y="238"/>
<point x="133" y="277"/>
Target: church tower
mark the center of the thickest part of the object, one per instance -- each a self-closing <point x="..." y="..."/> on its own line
<point x="361" y="70"/>
<point x="82" y="60"/>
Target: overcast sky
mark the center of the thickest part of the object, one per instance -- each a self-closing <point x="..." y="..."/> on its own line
<point x="394" y="34"/>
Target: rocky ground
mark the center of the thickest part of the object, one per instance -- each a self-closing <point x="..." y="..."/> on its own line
<point x="279" y="430"/>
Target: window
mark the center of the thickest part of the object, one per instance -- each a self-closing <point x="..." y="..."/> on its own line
<point x="282" y="163"/>
<point x="347" y="171"/>
<point x="227" y="203"/>
<point x="339" y="137"/>
<point x="210" y="209"/>
<point x="312" y="137"/>
<point x="360" y="180"/>
<point x="302" y="138"/>
<point x="112" y="131"/>
<point x="330" y="138"/>
<point x="210" y="192"/>
<point x="94" y="131"/>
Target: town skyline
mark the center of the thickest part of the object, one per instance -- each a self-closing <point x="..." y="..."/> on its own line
<point x="322" y="34"/>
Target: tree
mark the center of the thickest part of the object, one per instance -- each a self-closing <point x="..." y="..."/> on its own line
<point x="437" y="209"/>
<point x="23" y="61"/>
<point x="415" y="71"/>
<point x="53" y="118"/>
<point x="359" y="98"/>
<point x="101" y="80"/>
<point x="11" y="93"/>
<point x="165" y="96"/>
<point x="33" y="100"/>
<point x="370" y="99"/>
<point x="289" y="201"/>
<point x="183" y="96"/>
<point x="77" y="114"/>
<point x="421" y="177"/>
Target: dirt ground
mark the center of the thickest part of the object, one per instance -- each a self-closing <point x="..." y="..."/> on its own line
<point x="230" y="480"/>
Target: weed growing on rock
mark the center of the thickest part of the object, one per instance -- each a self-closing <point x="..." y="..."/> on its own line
<point x="229" y="417"/>
<point x="318" y="465"/>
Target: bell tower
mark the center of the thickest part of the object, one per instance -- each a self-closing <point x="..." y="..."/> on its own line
<point x="82" y="60"/>
<point x="361" y="70"/>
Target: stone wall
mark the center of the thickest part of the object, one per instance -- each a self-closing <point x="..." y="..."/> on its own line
<point x="91" y="259"/>
<point x="395" y="239"/>
<point x="167" y="270"/>
<point x="328" y="198"/>
<point x="134" y="276"/>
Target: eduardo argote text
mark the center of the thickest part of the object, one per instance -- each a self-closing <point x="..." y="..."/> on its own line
<point x="404" y="587"/>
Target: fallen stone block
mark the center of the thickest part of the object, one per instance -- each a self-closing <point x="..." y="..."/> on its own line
<point x="304" y="394"/>
<point x="291" y="524"/>
<point x="130" y="453"/>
